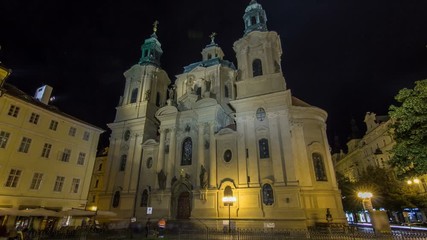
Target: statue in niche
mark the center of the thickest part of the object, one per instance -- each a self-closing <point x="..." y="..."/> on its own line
<point x="174" y="179"/>
<point x="161" y="177"/>
<point x="171" y="92"/>
<point x="147" y="95"/>
<point x="203" y="178"/>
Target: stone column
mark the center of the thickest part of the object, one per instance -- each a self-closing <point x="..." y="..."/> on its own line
<point x="200" y="148"/>
<point x="289" y="161"/>
<point x="252" y="145"/>
<point x="276" y="153"/>
<point x="212" y="149"/>
<point x="241" y="153"/>
<point x="161" y="155"/>
<point x="300" y="154"/>
<point x="172" y="154"/>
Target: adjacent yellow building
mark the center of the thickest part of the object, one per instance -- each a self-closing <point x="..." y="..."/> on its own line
<point x="46" y="156"/>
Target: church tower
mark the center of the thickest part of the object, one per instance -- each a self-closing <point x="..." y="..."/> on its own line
<point x="144" y="93"/>
<point x="258" y="56"/>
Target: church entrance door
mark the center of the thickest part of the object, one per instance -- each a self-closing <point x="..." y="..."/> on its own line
<point x="184" y="210"/>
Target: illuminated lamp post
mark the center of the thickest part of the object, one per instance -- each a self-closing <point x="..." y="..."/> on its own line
<point x="366" y="200"/>
<point x="229" y="200"/>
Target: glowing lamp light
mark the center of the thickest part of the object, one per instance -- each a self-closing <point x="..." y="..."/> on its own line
<point x="364" y="194"/>
<point x="409" y="182"/>
<point x="416" y="180"/>
<point x="229" y="199"/>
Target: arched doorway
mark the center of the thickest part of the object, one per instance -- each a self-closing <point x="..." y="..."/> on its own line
<point x="184" y="206"/>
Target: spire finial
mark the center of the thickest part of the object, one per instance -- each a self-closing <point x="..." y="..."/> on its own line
<point x="155" y="24"/>
<point x="212" y="36"/>
<point x="253" y="1"/>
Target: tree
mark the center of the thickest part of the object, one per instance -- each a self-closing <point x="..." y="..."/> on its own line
<point x="410" y="131"/>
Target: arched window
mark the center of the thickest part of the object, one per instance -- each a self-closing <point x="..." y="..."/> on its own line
<point x="319" y="167"/>
<point x="226" y="92"/>
<point x="123" y="160"/>
<point x="100" y="167"/>
<point x="134" y="95"/>
<point x="257" y="67"/>
<point x="144" y="198"/>
<point x="267" y="194"/>
<point x="187" y="152"/>
<point x="263" y="148"/>
<point x="158" y="99"/>
<point x="96" y="183"/>
<point x="116" y="199"/>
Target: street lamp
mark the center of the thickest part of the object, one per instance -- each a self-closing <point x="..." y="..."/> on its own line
<point x="229" y="200"/>
<point x="366" y="200"/>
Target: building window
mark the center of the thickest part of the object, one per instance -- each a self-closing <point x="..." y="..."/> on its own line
<point x="263" y="148"/>
<point x="13" y="179"/>
<point x="257" y="67"/>
<point x="260" y="114"/>
<point x="25" y="145"/>
<point x="100" y="167"/>
<point x="13" y="111"/>
<point x="37" y="179"/>
<point x="34" y="118"/>
<point x="134" y="95"/>
<point x="75" y="185"/>
<point x="123" y="160"/>
<point x="96" y="183"/>
<point x="267" y="194"/>
<point x="187" y="152"/>
<point x="93" y="198"/>
<point x="46" y="150"/>
<point x="66" y="155"/>
<point x="53" y="125"/>
<point x="59" y="183"/>
<point x="116" y="199"/>
<point x="86" y="136"/>
<point x="4" y="137"/>
<point x="228" y="155"/>
<point x="81" y="160"/>
<point x="72" y="131"/>
<point x="144" y="199"/>
<point x="319" y="167"/>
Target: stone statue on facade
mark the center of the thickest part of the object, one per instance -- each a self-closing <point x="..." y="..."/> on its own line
<point x="203" y="178"/>
<point x="161" y="177"/>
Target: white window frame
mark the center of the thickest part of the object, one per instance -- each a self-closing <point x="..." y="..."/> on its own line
<point x="13" y="178"/>
<point x="34" y="118"/>
<point x="75" y="185"/>
<point x="86" y="136"/>
<point x="46" y="150"/>
<point x="36" y="181"/>
<point x="81" y="159"/>
<point x="66" y="155"/>
<point x="4" y="138"/>
<point x="13" y="111"/>
<point x="25" y="145"/>
<point x="53" y="125"/>
<point x="72" y="131"/>
<point x="59" y="184"/>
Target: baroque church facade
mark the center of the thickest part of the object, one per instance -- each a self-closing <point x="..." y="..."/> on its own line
<point x="220" y="131"/>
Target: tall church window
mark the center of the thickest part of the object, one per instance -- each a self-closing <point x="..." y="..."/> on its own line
<point x="263" y="148"/>
<point x="319" y="167"/>
<point x="134" y="95"/>
<point x="257" y="67"/>
<point x="226" y="91"/>
<point x="116" y="199"/>
<point x="267" y="194"/>
<point x="187" y="152"/>
<point x="158" y="99"/>
<point x="123" y="160"/>
<point x="144" y="198"/>
<point x="199" y="91"/>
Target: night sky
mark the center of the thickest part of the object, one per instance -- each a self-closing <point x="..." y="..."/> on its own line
<point x="346" y="57"/>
